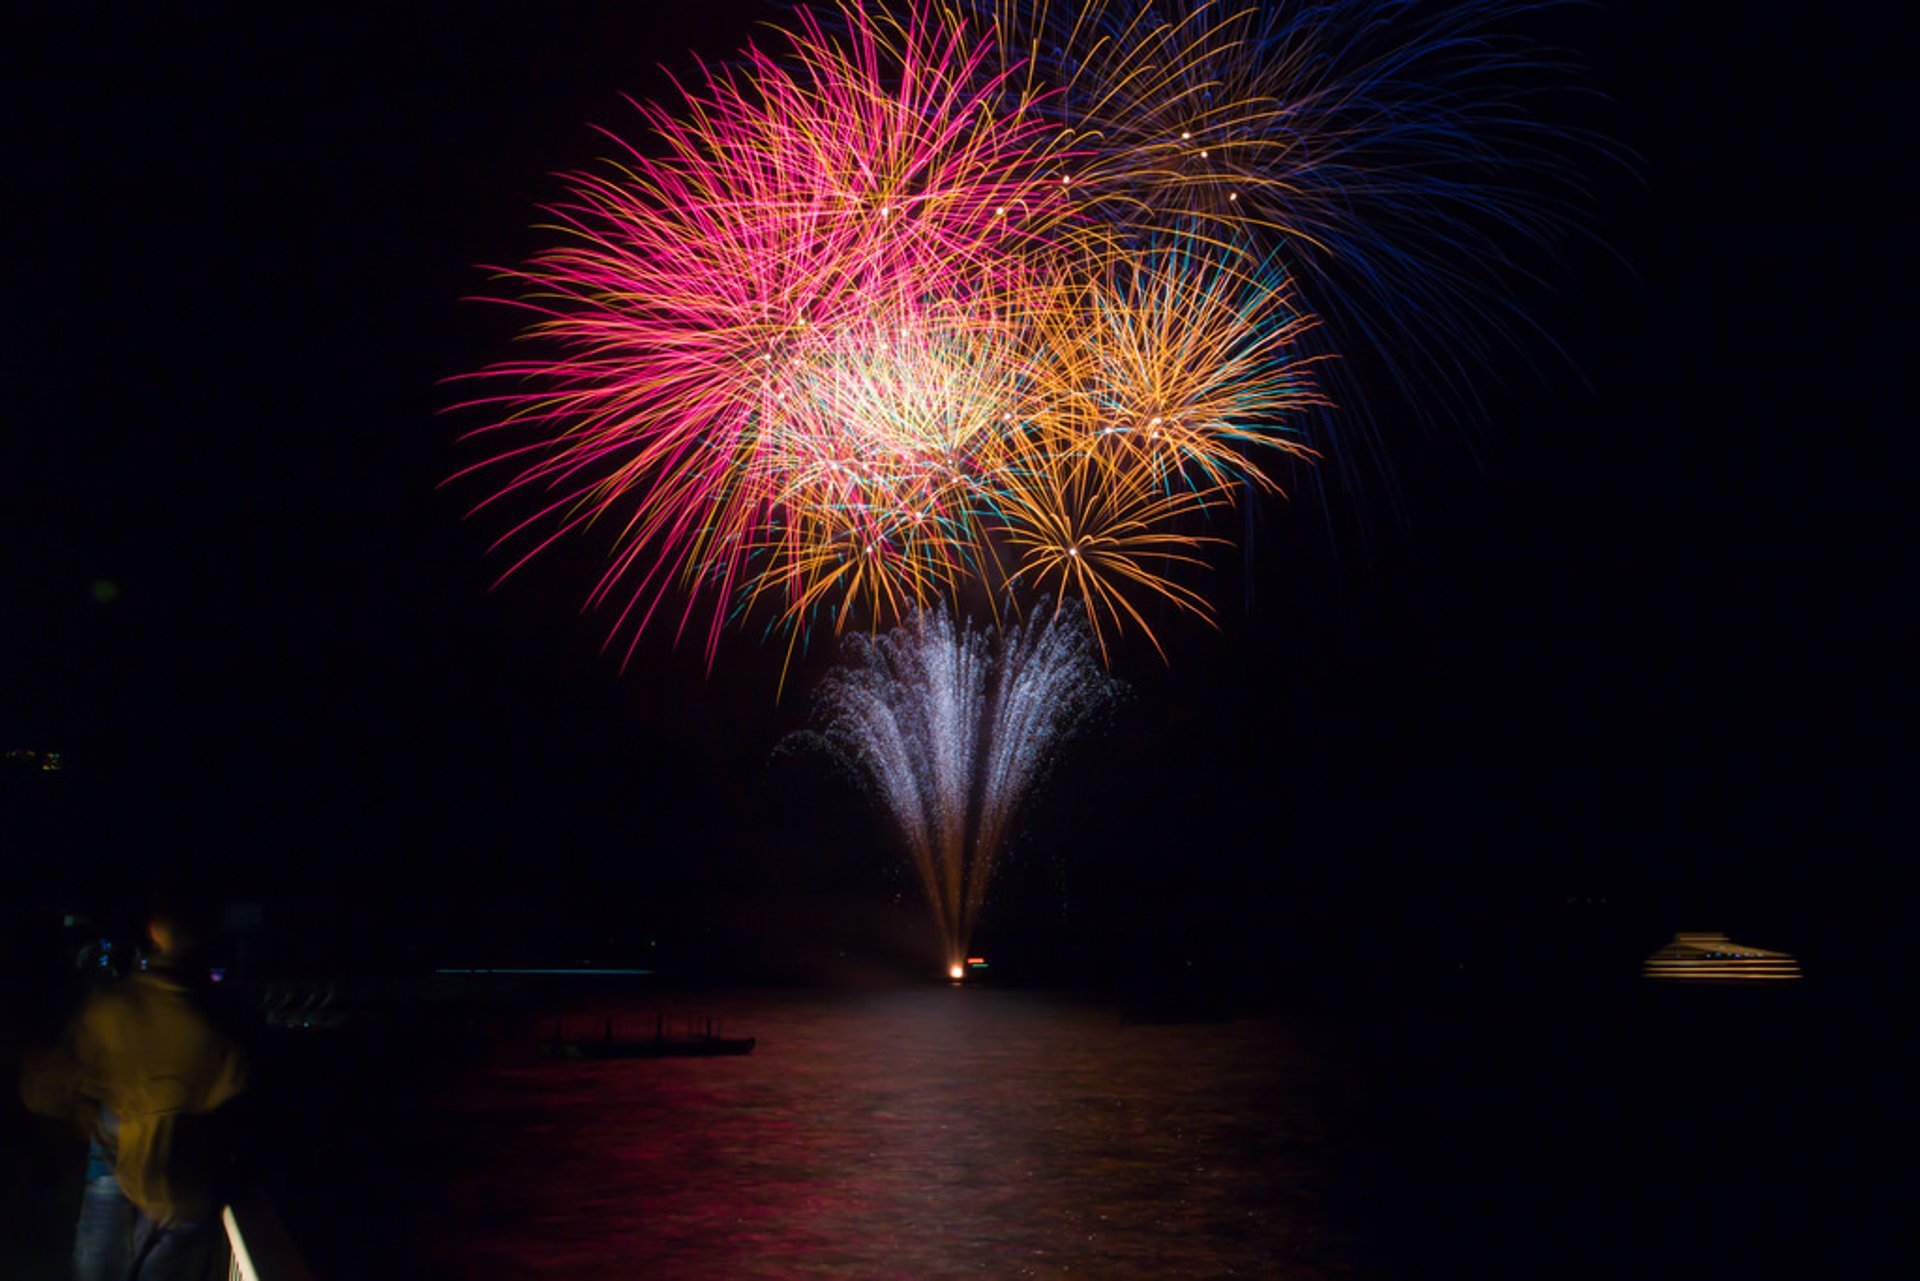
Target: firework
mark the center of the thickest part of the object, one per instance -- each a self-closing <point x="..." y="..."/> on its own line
<point x="1155" y="375"/>
<point x="975" y="300"/>
<point x="1005" y="297"/>
<point x="1407" y="159"/>
<point x="874" y="472"/>
<point x="951" y="727"/>
<point x="707" y="377"/>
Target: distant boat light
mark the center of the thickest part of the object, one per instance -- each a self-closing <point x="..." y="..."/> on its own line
<point x="1714" y="958"/>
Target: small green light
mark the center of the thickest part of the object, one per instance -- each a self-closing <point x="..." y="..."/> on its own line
<point x="105" y="591"/>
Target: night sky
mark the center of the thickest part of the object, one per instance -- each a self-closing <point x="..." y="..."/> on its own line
<point x="1639" y="633"/>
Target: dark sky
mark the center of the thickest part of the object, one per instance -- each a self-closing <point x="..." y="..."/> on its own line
<point x="1645" y="642"/>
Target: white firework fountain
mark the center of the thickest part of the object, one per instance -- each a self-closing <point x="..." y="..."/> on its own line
<point x="951" y="727"/>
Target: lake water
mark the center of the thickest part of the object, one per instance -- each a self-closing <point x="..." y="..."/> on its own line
<point x="942" y="1132"/>
<point x="938" y="1132"/>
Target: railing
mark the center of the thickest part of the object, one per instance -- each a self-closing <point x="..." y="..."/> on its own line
<point x="258" y="1245"/>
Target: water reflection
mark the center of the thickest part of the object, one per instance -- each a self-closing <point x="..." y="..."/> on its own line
<point x="944" y="1132"/>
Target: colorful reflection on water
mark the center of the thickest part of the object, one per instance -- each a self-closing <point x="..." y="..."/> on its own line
<point x="929" y="1133"/>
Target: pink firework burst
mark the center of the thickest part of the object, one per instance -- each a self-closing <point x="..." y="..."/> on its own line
<point x="702" y="396"/>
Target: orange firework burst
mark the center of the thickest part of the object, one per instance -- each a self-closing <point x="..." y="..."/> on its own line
<point x="1154" y="374"/>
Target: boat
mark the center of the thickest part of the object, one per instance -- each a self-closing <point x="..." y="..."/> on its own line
<point x="1714" y="958"/>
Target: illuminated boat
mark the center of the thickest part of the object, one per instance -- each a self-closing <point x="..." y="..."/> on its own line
<point x="1714" y="958"/>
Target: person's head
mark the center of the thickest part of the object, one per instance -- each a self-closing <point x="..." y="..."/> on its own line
<point x="177" y="926"/>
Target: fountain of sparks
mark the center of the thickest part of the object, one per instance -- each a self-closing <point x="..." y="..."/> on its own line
<point x="951" y="727"/>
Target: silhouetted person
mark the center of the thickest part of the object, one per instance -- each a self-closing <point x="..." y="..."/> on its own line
<point x="146" y="1067"/>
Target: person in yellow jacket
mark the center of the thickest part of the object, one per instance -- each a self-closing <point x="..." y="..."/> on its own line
<point x="148" y="1067"/>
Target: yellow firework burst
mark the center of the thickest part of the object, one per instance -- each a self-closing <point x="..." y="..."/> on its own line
<point x="1154" y="378"/>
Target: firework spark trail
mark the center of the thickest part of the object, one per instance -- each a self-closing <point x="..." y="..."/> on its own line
<point x="951" y="727"/>
<point x="1410" y="158"/>
<point x="1047" y="684"/>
